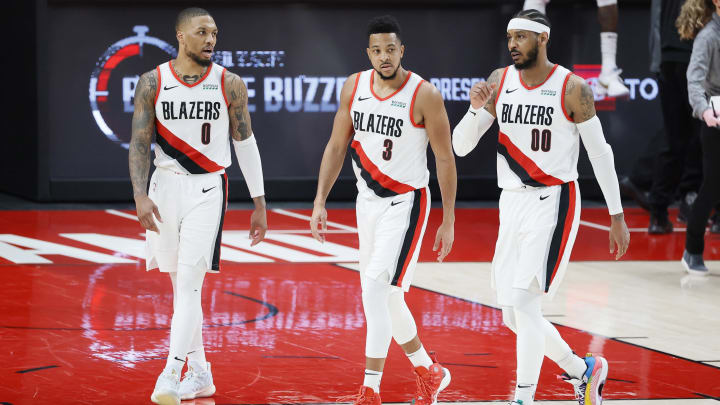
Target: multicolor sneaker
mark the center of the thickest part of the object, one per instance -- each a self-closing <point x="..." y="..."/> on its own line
<point x="430" y="381"/>
<point x="366" y="396"/>
<point x="197" y="383"/>
<point x="588" y="388"/>
<point x="166" y="389"/>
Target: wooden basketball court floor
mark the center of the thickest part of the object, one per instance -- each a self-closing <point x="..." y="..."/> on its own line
<point x="81" y="322"/>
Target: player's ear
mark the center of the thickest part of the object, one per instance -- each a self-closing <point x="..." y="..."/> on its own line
<point x="180" y="37"/>
<point x="402" y="50"/>
<point x="543" y="38"/>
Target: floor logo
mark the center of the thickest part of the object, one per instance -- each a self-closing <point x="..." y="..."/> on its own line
<point x="111" y="100"/>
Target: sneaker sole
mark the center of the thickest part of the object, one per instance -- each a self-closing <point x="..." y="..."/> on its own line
<point x="166" y="398"/>
<point x="594" y="397"/>
<point x="692" y="271"/>
<point x="207" y="392"/>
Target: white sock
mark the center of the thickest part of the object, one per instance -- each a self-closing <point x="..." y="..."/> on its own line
<point x="538" y="5"/>
<point x="420" y="358"/>
<point x="372" y="379"/>
<point x="608" y="49"/>
<point x="196" y="356"/>
<point x="525" y="393"/>
<point x="573" y="365"/>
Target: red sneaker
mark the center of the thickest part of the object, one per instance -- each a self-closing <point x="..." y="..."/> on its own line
<point x="366" y="396"/>
<point x="430" y="382"/>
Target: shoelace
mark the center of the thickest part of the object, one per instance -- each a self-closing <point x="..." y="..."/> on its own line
<point x="424" y="386"/>
<point x="579" y="393"/>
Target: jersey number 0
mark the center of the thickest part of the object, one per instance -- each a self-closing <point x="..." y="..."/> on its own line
<point x="540" y="141"/>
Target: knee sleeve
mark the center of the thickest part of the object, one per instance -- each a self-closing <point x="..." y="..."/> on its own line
<point x="188" y="309"/>
<point x="375" y="297"/>
<point x="403" y="323"/>
<point x="508" y="316"/>
<point x="530" y="344"/>
<point x="173" y="280"/>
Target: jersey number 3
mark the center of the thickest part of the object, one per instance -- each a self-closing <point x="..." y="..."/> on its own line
<point x="540" y="141"/>
<point x="205" y="133"/>
<point x="387" y="153"/>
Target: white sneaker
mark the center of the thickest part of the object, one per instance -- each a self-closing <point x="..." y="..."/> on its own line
<point x="166" y="389"/>
<point x="612" y="85"/>
<point x="197" y="384"/>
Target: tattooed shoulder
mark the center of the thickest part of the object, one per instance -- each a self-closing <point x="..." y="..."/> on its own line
<point x="146" y="87"/>
<point x="586" y="105"/>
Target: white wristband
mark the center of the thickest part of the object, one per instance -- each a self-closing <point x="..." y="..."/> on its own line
<point x="248" y="157"/>
<point x="470" y="129"/>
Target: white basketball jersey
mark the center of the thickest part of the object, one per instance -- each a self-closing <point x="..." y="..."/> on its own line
<point x="191" y="122"/>
<point x="389" y="150"/>
<point x="538" y="144"/>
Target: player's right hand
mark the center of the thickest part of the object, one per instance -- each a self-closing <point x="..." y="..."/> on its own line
<point x="145" y="209"/>
<point x="480" y="93"/>
<point x="319" y="217"/>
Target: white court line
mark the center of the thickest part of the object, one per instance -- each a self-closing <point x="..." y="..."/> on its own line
<point x="306" y="217"/>
<point x="607" y="228"/>
<point x="122" y="214"/>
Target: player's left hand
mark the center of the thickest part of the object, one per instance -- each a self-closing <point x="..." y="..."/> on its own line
<point x="258" y="225"/>
<point x="444" y="239"/>
<point x="619" y="236"/>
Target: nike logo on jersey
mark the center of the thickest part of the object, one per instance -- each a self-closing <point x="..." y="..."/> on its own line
<point x="205" y="191"/>
<point x="544" y="197"/>
<point x="508" y="91"/>
<point x="473" y="113"/>
<point x="394" y="203"/>
<point x="170" y="88"/>
<point x="526" y="114"/>
<point x="176" y="358"/>
<point x="363" y="99"/>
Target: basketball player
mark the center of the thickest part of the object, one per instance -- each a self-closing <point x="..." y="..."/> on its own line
<point x="388" y="115"/>
<point x="194" y="106"/>
<point x="543" y="110"/>
<point x="611" y="84"/>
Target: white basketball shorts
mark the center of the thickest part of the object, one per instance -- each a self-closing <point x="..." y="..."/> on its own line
<point x="537" y="232"/>
<point x="192" y="207"/>
<point x="391" y="230"/>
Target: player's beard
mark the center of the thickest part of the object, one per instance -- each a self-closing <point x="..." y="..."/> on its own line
<point x="531" y="59"/>
<point x="392" y="76"/>
<point x="197" y="59"/>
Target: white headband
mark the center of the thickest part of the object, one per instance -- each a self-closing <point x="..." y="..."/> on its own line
<point x="528" y="25"/>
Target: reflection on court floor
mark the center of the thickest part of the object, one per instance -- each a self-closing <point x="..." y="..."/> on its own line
<point x="82" y="322"/>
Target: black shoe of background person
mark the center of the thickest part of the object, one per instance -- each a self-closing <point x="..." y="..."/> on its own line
<point x="660" y="225"/>
<point x="628" y="189"/>
<point x="715" y="223"/>
<point x="685" y="205"/>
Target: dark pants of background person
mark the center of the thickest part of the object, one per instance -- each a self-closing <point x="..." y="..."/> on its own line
<point x="709" y="193"/>
<point x="678" y="168"/>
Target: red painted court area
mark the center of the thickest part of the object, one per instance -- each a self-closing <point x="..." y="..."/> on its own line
<point x="76" y="331"/>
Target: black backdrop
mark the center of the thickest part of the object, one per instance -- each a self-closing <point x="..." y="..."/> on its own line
<point x="294" y="58"/>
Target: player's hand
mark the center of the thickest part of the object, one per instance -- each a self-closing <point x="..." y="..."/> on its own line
<point x="145" y="208"/>
<point x="319" y="217"/>
<point x="710" y="119"/>
<point x="619" y="236"/>
<point x="480" y="93"/>
<point x="258" y="225"/>
<point x="444" y="239"/>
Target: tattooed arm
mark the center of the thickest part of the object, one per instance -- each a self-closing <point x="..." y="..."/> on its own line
<point x="237" y="96"/>
<point x="579" y="100"/>
<point x="246" y="152"/>
<point x="143" y="126"/>
<point x="580" y="106"/>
